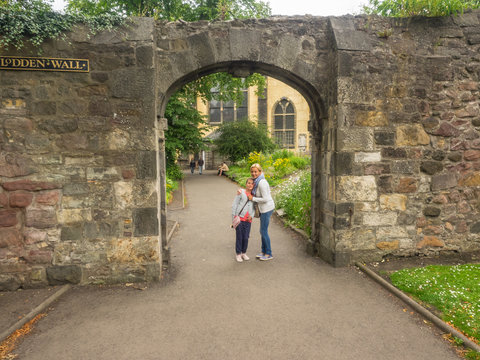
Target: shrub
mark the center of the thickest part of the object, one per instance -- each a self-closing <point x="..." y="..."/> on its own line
<point x="174" y="172"/>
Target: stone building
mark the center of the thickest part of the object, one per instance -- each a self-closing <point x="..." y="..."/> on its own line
<point x="395" y="127"/>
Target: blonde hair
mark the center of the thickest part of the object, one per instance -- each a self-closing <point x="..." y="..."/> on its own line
<point x="256" y="166"/>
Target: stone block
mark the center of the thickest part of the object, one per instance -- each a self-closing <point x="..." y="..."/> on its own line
<point x="393" y="202"/>
<point x="33" y="236"/>
<point x="8" y="218"/>
<point x="343" y="164"/>
<point x="444" y="181"/>
<point x="10" y="237"/>
<point x="363" y="157"/>
<point x="371" y="118"/>
<point x="431" y="167"/>
<point x="38" y="256"/>
<point x="3" y="199"/>
<point x="73" y="232"/>
<point x="44" y="108"/>
<point x="69" y="216"/>
<point x="145" y="222"/>
<point x="377" y="169"/>
<point x="411" y="135"/>
<point x="29" y="185"/>
<point x="431" y="211"/>
<point x="13" y="165"/>
<point x="391" y="232"/>
<point x="384" y="138"/>
<point x="404" y="167"/>
<point x="361" y="139"/>
<point x="146" y="165"/>
<point x="475" y="228"/>
<point x="41" y="218"/>
<point x="49" y="198"/>
<point x="447" y="130"/>
<point x="471" y="155"/>
<point x="394" y="153"/>
<point x="10" y="282"/>
<point x="380" y="219"/>
<point x="123" y="194"/>
<point x="58" y="275"/>
<point x="20" y="199"/>
<point x="102" y="174"/>
<point x="59" y="125"/>
<point x="406" y="185"/>
<point x="73" y="189"/>
<point x="356" y="188"/>
<point x="388" y="245"/>
<point x="385" y="184"/>
<point x="128" y="174"/>
<point x="430" y="241"/>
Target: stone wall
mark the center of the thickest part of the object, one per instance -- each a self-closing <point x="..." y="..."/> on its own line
<point x="407" y="159"/>
<point x="78" y="175"/>
<point x="394" y="118"/>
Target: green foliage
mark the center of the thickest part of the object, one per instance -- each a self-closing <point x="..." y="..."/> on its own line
<point x="185" y="127"/>
<point x="453" y="290"/>
<point x="407" y="8"/>
<point x="35" y="21"/>
<point x="172" y="185"/>
<point x="237" y="139"/>
<point x="294" y="196"/>
<point x="174" y="172"/>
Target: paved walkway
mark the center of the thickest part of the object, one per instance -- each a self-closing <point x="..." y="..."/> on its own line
<point x="211" y="307"/>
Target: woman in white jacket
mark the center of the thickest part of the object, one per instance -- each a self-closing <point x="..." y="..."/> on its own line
<point x="261" y="195"/>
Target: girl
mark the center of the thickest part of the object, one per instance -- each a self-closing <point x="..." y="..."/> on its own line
<point x="243" y="208"/>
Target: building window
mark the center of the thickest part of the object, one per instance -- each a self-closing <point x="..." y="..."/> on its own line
<point x="227" y="111"/>
<point x="284" y="124"/>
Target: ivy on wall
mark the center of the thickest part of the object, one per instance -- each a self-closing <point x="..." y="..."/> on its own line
<point x="34" y="21"/>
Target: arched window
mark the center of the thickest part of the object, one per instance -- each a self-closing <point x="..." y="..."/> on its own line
<point x="284" y="124"/>
<point x="227" y="111"/>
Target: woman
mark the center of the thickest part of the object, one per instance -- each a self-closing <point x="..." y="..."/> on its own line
<point x="261" y="195"/>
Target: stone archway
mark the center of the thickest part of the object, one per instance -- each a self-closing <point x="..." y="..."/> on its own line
<point x="394" y="121"/>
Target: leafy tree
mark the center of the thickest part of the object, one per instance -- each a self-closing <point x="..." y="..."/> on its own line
<point x="238" y="139"/>
<point x="406" y="8"/>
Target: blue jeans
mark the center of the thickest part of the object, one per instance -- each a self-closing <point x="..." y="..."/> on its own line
<point x="264" y="222"/>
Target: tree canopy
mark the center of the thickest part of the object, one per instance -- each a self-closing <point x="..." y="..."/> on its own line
<point x="238" y="139"/>
<point x="431" y="8"/>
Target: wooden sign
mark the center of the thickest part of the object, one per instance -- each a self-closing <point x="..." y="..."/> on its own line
<point x="43" y="64"/>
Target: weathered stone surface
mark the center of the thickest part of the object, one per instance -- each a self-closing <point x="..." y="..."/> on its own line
<point x="123" y="194"/>
<point x="406" y="185"/>
<point x="447" y="130"/>
<point x="388" y="245"/>
<point x="145" y="222"/>
<point x="58" y="275"/>
<point x="20" y="199"/>
<point x="371" y="118"/>
<point x="10" y="237"/>
<point x="73" y="232"/>
<point x="431" y="211"/>
<point x="391" y="232"/>
<point x="384" y="138"/>
<point x="475" y="228"/>
<point x="59" y="126"/>
<point x="356" y="188"/>
<point x="41" y="218"/>
<point x="430" y="241"/>
<point x="29" y="185"/>
<point x="385" y="184"/>
<point x="47" y="198"/>
<point x="411" y="135"/>
<point x="33" y="236"/>
<point x="69" y="216"/>
<point x="8" y="218"/>
<point x="13" y="165"/>
<point x="380" y="219"/>
<point x="444" y="181"/>
<point x="471" y="155"/>
<point x="471" y="179"/>
<point x="455" y="156"/>
<point x="367" y="157"/>
<point x="431" y="167"/>
<point x="102" y="174"/>
<point x="393" y="202"/>
<point x="10" y="282"/>
<point x="377" y="169"/>
<point x="361" y="140"/>
<point x="128" y="174"/>
<point x="3" y="199"/>
<point x="76" y="189"/>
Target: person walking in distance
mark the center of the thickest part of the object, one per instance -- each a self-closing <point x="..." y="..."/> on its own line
<point x="261" y="195"/>
<point x="192" y="165"/>
<point x="243" y="208"/>
<point x="200" y="165"/>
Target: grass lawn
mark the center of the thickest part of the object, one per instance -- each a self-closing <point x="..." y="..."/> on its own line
<point x="453" y="290"/>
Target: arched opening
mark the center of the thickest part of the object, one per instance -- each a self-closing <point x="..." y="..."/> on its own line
<point x="224" y="112"/>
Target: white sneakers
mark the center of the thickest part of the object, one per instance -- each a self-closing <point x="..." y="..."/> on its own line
<point x="242" y="257"/>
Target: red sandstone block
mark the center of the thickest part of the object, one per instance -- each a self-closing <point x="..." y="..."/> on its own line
<point x="10" y="237"/>
<point x="3" y="200"/>
<point x="128" y="174"/>
<point x="407" y="185"/>
<point x="48" y="198"/>
<point x="470" y="155"/>
<point x="33" y="236"/>
<point x="8" y="218"/>
<point x="41" y="218"/>
<point x="38" y="256"/>
<point x="20" y="199"/>
<point x="30" y="185"/>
